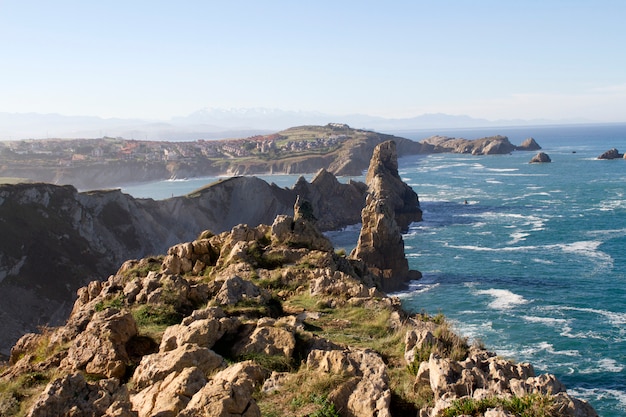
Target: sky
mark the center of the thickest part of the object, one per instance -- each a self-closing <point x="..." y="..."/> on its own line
<point x="546" y="59"/>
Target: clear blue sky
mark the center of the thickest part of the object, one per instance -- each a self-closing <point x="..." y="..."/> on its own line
<point x="158" y="59"/>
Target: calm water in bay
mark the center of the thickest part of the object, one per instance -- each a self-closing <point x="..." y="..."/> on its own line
<point x="533" y="265"/>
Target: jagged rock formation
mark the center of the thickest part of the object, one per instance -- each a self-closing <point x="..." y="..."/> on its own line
<point x="263" y="320"/>
<point x="612" y="153"/>
<point x="335" y="205"/>
<point x="494" y="145"/>
<point x="541" y="157"/>
<point x="55" y="239"/>
<point x="380" y="245"/>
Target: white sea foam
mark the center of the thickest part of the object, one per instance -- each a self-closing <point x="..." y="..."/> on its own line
<point x="503" y="169"/>
<point x="517" y="237"/>
<point x="603" y="365"/>
<point x="616" y="319"/>
<point x="548" y="348"/>
<point x="587" y="248"/>
<point x="543" y="261"/>
<point x="492" y="181"/>
<point x="598" y="394"/>
<point x="503" y="299"/>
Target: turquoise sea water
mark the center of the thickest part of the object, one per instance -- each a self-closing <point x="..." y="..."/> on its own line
<point x="533" y="265"/>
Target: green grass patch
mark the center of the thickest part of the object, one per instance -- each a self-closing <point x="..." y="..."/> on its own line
<point x="533" y="405"/>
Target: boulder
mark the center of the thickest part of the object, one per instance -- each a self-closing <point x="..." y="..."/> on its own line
<point x="266" y="340"/>
<point x="367" y="392"/>
<point x="541" y="157"/>
<point x="101" y="349"/>
<point x="168" y="397"/>
<point x="158" y="366"/>
<point x="228" y="394"/>
<point x="203" y="328"/>
<point x="236" y="289"/>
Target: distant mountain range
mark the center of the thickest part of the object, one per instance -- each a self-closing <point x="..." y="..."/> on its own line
<point x="225" y="123"/>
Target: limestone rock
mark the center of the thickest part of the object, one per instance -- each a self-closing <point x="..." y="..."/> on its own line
<point x="267" y="340"/>
<point x="541" y="157"/>
<point x="157" y="366"/>
<point x="235" y="289"/>
<point x="334" y="204"/>
<point x="228" y="394"/>
<point x="203" y="328"/>
<point x="367" y="393"/>
<point x="101" y="348"/>
<point x="168" y="397"/>
<point x="381" y="247"/>
<point x="72" y="395"/>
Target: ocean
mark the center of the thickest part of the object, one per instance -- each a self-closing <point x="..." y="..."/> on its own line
<point x="527" y="258"/>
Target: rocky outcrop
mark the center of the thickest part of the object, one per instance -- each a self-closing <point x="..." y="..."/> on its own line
<point x="258" y="318"/>
<point x="541" y="157"/>
<point x="494" y="145"/>
<point x="612" y="153"/>
<point x="380" y="245"/>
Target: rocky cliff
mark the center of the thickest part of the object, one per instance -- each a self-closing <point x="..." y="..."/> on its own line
<point x="55" y="239"/>
<point x="264" y="320"/>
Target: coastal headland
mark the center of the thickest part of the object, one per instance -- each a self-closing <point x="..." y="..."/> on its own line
<point x="110" y="162"/>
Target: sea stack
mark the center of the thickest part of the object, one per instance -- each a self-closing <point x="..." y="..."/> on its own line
<point x="380" y="245"/>
<point x="384" y="182"/>
<point x="541" y="157"/>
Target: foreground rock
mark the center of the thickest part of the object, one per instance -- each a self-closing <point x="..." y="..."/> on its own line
<point x="541" y="157"/>
<point x="264" y="320"/>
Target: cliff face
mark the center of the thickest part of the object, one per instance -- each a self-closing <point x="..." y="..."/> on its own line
<point x="55" y="239"/>
<point x="264" y="320"/>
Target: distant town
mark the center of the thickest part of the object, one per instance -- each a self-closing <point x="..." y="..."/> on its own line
<point x="77" y="152"/>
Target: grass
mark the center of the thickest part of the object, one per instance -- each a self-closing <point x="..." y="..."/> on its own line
<point x="16" y="396"/>
<point x="533" y="405"/>
<point x="304" y="393"/>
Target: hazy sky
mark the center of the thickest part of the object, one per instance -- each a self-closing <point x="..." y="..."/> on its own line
<point x="157" y="59"/>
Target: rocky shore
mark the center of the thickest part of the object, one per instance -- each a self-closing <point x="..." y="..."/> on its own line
<point x="267" y="320"/>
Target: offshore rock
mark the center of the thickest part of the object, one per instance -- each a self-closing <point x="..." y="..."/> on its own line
<point x="541" y="157"/>
<point x="529" y="145"/>
<point x="612" y="153"/>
